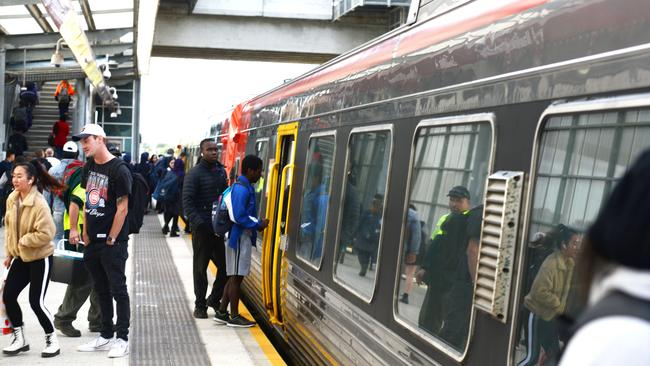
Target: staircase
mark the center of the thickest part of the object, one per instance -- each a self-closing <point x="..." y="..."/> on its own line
<point x="45" y="114"/>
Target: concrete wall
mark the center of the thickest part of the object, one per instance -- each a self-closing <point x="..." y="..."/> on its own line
<point x="205" y="36"/>
<point x="302" y="9"/>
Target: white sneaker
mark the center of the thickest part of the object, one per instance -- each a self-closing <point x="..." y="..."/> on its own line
<point x="120" y="348"/>
<point x="97" y="344"/>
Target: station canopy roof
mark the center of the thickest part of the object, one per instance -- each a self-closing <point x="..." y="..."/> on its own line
<point x="29" y="37"/>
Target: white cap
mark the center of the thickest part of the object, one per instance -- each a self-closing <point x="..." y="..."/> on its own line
<point x="71" y="146"/>
<point x="89" y="130"/>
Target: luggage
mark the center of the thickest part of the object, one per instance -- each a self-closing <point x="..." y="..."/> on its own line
<point x="5" y="325"/>
<point x="68" y="265"/>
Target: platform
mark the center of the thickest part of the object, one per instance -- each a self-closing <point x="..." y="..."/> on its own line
<point x="163" y="331"/>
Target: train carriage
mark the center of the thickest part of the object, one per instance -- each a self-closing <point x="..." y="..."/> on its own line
<point x="535" y="107"/>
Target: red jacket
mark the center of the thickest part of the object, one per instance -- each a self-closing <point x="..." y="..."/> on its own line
<point x="60" y="131"/>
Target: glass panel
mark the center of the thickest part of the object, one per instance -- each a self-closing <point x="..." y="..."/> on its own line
<point x="361" y="217"/>
<point x="117" y="130"/>
<point x="442" y="222"/>
<point x="125" y="117"/>
<point x="262" y="152"/>
<point x="315" y="200"/>
<point x="565" y="202"/>
<point x="125" y="98"/>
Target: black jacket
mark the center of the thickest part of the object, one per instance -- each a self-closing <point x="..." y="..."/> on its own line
<point x="201" y="187"/>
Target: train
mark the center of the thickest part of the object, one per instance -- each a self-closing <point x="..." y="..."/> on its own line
<point x="532" y="109"/>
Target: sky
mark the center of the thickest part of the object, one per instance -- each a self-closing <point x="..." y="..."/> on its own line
<point x="181" y="98"/>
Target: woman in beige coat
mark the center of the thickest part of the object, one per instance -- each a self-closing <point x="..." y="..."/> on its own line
<point x="549" y="294"/>
<point x="29" y="230"/>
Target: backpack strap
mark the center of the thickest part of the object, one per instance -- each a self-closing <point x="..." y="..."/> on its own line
<point x="616" y="303"/>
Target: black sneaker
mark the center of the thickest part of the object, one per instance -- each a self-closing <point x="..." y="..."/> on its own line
<point x="221" y="317"/>
<point x="404" y="298"/>
<point x="68" y="330"/>
<point x="165" y="230"/>
<point x="201" y="313"/>
<point x="174" y="234"/>
<point x="239" y="321"/>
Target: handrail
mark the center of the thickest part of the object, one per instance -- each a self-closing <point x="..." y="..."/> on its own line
<point x="266" y="242"/>
<point x="276" y="249"/>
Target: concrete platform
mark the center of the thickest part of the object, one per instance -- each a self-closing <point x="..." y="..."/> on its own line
<point x="223" y="345"/>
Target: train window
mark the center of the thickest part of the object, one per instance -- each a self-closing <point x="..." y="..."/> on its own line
<point x="362" y="211"/>
<point x="262" y="152"/>
<point x="580" y="158"/>
<point x="450" y="164"/>
<point x="315" y="200"/>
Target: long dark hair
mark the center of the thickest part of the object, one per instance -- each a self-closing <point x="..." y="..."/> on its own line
<point x="560" y="235"/>
<point x="42" y="179"/>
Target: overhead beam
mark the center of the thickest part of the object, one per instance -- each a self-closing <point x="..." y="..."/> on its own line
<point x="98" y="37"/>
<point x="68" y="63"/>
<point x="244" y="37"/>
<point x="88" y="14"/>
<point x="16" y="56"/>
<point x="35" y="12"/>
<point x="19" y="2"/>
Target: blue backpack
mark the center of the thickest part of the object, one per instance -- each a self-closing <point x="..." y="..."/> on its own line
<point x="167" y="189"/>
<point x="221" y="218"/>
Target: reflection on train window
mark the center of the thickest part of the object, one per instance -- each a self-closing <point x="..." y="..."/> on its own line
<point x="362" y="210"/>
<point x="581" y="157"/>
<point x="315" y="200"/>
<point x="443" y="222"/>
<point x="262" y="152"/>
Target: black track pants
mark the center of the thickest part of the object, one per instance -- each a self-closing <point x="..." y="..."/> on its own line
<point x="37" y="275"/>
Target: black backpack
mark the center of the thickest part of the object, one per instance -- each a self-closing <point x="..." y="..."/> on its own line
<point x="138" y="202"/>
<point x="64" y="97"/>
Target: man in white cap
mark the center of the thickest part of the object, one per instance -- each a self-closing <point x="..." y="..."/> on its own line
<point x="78" y="291"/>
<point x="107" y="181"/>
<point x="69" y="161"/>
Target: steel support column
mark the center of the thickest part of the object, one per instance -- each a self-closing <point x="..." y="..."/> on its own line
<point x="3" y="127"/>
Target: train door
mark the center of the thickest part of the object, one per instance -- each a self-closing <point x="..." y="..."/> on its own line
<point x="277" y="211"/>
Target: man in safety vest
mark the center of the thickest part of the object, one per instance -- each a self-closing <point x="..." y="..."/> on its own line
<point x="76" y="294"/>
<point x="437" y="268"/>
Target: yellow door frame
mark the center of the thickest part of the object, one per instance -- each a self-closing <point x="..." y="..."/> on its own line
<point x="271" y="242"/>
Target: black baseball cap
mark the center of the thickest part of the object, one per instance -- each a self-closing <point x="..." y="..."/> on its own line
<point x="458" y="191"/>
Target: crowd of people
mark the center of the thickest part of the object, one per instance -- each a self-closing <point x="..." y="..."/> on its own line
<point x="22" y="118"/>
<point x="86" y="206"/>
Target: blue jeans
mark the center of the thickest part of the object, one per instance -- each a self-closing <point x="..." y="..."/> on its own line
<point x="58" y="223"/>
<point x="106" y="264"/>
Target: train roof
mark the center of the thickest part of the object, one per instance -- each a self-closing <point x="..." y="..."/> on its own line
<point x="476" y="40"/>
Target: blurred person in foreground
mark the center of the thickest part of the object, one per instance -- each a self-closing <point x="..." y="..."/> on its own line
<point x="615" y="268"/>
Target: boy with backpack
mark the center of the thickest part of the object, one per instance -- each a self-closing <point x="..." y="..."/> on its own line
<point x="240" y="240"/>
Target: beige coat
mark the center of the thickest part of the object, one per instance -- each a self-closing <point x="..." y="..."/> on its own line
<point x="30" y="237"/>
<point x="550" y="290"/>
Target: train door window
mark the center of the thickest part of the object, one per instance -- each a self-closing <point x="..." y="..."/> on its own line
<point x="262" y="152"/>
<point x="315" y="200"/>
<point x="581" y="155"/>
<point x="450" y="164"/>
<point x="362" y="211"/>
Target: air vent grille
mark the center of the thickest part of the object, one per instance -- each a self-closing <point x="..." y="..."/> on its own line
<point x="498" y="240"/>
